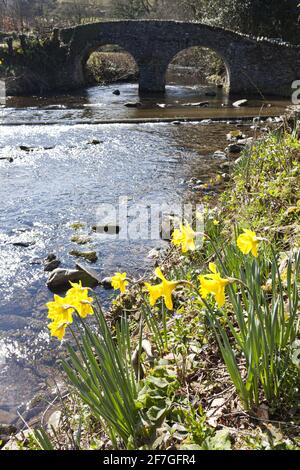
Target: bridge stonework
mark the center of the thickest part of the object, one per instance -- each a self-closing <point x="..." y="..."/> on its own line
<point x="253" y="65"/>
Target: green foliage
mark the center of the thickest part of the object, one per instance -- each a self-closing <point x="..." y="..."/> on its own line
<point x="104" y="378"/>
<point x="265" y="190"/>
<point x="259" y="326"/>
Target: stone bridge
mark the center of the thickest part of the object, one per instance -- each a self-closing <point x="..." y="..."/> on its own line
<point x="253" y="65"/>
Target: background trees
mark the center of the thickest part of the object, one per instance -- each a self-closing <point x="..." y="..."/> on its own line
<point x="273" y="18"/>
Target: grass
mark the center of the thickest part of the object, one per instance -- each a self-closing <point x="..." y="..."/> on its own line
<point x="203" y="376"/>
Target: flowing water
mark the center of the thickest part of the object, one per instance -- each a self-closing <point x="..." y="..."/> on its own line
<point x="60" y="178"/>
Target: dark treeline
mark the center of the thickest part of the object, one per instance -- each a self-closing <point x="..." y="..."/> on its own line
<point x="272" y="18"/>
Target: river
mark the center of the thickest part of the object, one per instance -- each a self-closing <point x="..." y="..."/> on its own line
<point x="61" y="178"/>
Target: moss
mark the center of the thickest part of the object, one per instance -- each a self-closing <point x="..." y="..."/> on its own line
<point x="90" y="256"/>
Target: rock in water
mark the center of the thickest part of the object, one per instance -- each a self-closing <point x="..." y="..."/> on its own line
<point x="106" y="283"/>
<point x="235" y="148"/>
<point x="60" y="279"/>
<point x="239" y="103"/>
<point x="133" y="105"/>
<point x="50" y="257"/>
<point x="23" y="241"/>
<point x="116" y="92"/>
<point x="51" y="265"/>
<point x="90" y="256"/>
<point x="95" y="142"/>
<point x="25" y="148"/>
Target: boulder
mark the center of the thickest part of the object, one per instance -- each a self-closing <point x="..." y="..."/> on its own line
<point x="89" y="272"/>
<point x="116" y="92"/>
<point x="60" y="279"/>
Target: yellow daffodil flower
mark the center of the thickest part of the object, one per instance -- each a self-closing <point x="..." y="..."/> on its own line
<point x="78" y="297"/>
<point x="216" y="222"/>
<point x="60" y="309"/>
<point x="119" y="282"/>
<point x="58" y="329"/>
<point x="214" y="284"/>
<point x="247" y="242"/>
<point x="61" y="312"/>
<point x="165" y="290"/>
<point x="184" y="237"/>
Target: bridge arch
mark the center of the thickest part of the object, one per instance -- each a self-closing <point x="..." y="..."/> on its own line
<point x="82" y="58"/>
<point x="107" y="55"/>
<point x="188" y="57"/>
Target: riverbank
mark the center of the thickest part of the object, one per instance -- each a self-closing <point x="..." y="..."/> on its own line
<point x="185" y="388"/>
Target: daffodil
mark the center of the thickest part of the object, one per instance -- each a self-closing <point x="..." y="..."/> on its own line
<point x="247" y="242"/>
<point x="58" y="329"/>
<point x="165" y="290"/>
<point x="216" y="222"/>
<point x="61" y="312"/>
<point x="78" y="297"/>
<point x="214" y="284"/>
<point x="184" y="237"/>
<point x="60" y="309"/>
<point x="119" y="282"/>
